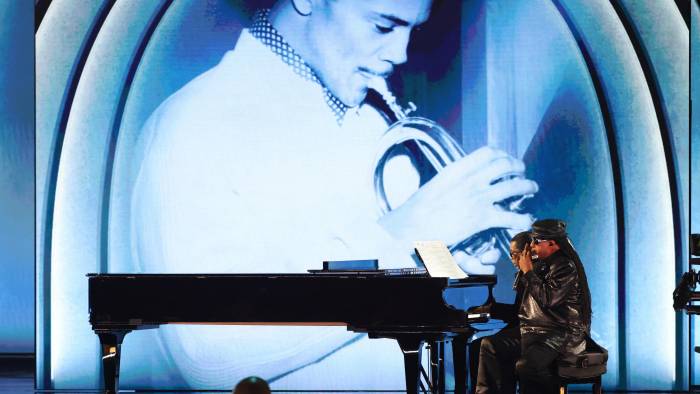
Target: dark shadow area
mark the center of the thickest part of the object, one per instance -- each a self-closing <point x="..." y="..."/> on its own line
<point x="17" y="365"/>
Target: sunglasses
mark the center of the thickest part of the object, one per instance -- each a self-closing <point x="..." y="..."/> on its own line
<point x="537" y="241"/>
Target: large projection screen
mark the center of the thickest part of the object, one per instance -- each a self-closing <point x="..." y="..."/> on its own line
<point x="149" y="161"/>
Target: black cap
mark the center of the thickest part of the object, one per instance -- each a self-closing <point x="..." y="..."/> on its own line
<point x="549" y="229"/>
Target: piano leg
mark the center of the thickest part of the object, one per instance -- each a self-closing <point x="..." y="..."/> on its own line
<point x="459" y="360"/>
<point x="437" y="366"/>
<point x="111" y="343"/>
<point x="410" y="347"/>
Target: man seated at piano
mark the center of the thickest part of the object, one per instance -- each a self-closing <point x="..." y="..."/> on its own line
<point x="554" y="313"/>
<point x="493" y="358"/>
<point x="263" y="165"/>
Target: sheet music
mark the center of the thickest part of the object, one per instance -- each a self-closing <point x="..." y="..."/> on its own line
<point x="438" y="260"/>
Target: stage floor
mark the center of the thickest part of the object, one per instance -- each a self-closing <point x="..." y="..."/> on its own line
<point x="17" y="376"/>
<point x="25" y="384"/>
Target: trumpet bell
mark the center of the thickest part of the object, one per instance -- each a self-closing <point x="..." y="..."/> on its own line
<point x="430" y="149"/>
<point x="424" y="142"/>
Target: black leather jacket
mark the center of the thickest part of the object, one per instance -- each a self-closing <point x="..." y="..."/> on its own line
<point x="509" y="312"/>
<point x="552" y="301"/>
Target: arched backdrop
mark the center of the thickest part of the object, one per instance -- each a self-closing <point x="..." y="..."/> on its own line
<point x="592" y="95"/>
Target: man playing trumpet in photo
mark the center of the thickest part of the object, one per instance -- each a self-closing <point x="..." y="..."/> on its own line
<point x="263" y="164"/>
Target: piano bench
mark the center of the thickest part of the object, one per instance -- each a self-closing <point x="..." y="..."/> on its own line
<point x="584" y="368"/>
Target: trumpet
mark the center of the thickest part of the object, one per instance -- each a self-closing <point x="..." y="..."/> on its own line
<point x="432" y="149"/>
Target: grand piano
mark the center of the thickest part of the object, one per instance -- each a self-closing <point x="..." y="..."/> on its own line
<point x="413" y="310"/>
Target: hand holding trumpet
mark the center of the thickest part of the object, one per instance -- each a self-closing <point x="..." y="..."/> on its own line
<point x="466" y="196"/>
<point x="460" y="201"/>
